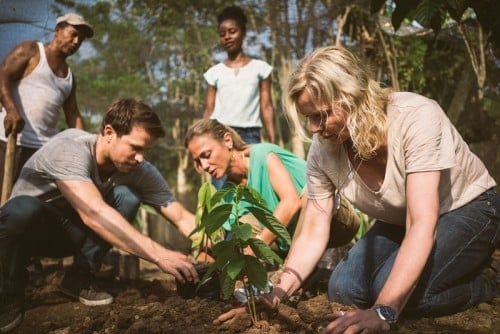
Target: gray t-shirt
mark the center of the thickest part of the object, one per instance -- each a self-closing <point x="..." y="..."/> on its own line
<point x="70" y="155"/>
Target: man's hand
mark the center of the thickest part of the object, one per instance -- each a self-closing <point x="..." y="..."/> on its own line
<point x="13" y="123"/>
<point x="179" y="266"/>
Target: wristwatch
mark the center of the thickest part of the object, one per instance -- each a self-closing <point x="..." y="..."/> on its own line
<point x="386" y="313"/>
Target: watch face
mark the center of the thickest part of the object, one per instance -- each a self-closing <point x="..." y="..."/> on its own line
<point x="386" y="313"/>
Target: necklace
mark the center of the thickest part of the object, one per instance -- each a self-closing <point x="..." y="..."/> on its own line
<point x="349" y="176"/>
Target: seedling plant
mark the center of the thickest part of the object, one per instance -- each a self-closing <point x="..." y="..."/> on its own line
<point x="231" y="262"/>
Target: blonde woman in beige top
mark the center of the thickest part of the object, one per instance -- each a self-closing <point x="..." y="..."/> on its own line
<point x="396" y="157"/>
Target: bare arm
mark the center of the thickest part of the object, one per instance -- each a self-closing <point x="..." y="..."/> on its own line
<point x="308" y="246"/>
<point x="179" y="216"/>
<point x="210" y="101"/>
<point x="421" y="220"/>
<point x="266" y="108"/>
<point x="289" y="200"/>
<point x="73" y="117"/>
<point x="110" y="225"/>
<point x="16" y="65"/>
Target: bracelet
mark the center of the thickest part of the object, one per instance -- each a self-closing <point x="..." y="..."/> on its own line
<point x="294" y="272"/>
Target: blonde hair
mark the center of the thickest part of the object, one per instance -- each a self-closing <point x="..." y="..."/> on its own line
<point x="216" y="130"/>
<point x="333" y="76"/>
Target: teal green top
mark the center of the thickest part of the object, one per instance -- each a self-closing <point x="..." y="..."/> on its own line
<point x="258" y="178"/>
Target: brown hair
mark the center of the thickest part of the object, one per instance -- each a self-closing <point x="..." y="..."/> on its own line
<point x="215" y="129"/>
<point x="124" y="114"/>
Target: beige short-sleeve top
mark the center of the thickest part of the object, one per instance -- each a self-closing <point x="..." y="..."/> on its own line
<point x="420" y="138"/>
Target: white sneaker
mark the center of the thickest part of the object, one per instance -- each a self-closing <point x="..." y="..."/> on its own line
<point x="242" y="296"/>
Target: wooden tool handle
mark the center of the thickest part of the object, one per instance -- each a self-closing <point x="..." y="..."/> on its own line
<point x="8" y="169"/>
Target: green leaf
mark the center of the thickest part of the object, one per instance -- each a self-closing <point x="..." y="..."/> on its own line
<point x="224" y="251"/>
<point x="242" y="231"/>
<point x="456" y="8"/>
<point x="252" y="196"/>
<point x="264" y="252"/>
<point x="221" y="193"/>
<point x="206" y="276"/>
<point x="203" y="206"/>
<point x="271" y="222"/>
<point x="430" y="14"/>
<point x="216" y="218"/>
<point x="256" y="273"/>
<point x="402" y="11"/>
<point x="227" y="285"/>
<point x="235" y="266"/>
<point x="205" y="193"/>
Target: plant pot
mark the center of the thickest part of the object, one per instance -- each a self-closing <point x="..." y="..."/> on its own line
<point x="208" y="289"/>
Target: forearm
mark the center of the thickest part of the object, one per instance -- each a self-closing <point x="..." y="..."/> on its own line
<point x="178" y="215"/>
<point x="267" y="115"/>
<point x="304" y="254"/>
<point x="110" y="225"/>
<point x="207" y="113"/>
<point x="7" y="99"/>
<point x="284" y="212"/>
<point x="406" y="271"/>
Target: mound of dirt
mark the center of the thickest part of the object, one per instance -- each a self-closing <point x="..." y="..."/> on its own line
<point x="150" y="304"/>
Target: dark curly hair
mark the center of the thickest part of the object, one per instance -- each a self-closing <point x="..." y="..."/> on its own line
<point x="233" y="13"/>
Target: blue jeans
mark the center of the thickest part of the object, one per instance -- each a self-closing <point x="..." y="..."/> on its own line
<point x="451" y="280"/>
<point x="249" y="135"/>
<point x="31" y="227"/>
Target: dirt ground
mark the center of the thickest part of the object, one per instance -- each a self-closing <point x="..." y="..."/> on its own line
<point x="150" y="304"/>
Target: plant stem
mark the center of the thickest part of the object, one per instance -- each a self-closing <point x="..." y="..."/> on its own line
<point x="251" y="303"/>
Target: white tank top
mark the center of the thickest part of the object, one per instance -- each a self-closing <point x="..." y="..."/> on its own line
<point x="39" y="97"/>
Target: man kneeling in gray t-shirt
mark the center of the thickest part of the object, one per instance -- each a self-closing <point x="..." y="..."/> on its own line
<point x="77" y="196"/>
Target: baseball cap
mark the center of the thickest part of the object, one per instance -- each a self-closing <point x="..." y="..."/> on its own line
<point x="77" y="20"/>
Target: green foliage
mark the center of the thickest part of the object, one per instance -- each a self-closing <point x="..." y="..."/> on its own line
<point x="214" y="209"/>
<point x="411" y="55"/>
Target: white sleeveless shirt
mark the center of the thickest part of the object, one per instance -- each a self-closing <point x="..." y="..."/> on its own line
<point x="39" y="96"/>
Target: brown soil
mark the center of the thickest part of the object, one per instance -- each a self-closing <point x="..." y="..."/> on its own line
<point x="151" y="305"/>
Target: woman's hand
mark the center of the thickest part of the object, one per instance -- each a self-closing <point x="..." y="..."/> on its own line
<point x="229" y="315"/>
<point x="356" y="321"/>
<point x="269" y="301"/>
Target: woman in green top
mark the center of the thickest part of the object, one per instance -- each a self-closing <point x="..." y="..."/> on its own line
<point x="278" y="175"/>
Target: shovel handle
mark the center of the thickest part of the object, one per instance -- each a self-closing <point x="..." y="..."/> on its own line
<point x="8" y="169"/>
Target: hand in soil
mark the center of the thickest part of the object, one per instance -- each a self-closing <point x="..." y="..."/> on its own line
<point x="230" y="315"/>
<point x="179" y="266"/>
<point x="356" y="321"/>
<point x="272" y="299"/>
<point x="269" y="302"/>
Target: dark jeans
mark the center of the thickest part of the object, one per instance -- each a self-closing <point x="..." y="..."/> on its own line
<point x="32" y="227"/>
<point x="249" y="136"/>
<point x="451" y="280"/>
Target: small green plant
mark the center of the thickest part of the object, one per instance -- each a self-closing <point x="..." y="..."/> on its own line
<point x="231" y="262"/>
<point x="201" y="239"/>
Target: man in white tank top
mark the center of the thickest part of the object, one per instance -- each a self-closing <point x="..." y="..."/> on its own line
<point x="35" y="82"/>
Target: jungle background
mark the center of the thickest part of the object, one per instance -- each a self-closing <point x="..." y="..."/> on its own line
<point x="158" y="51"/>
